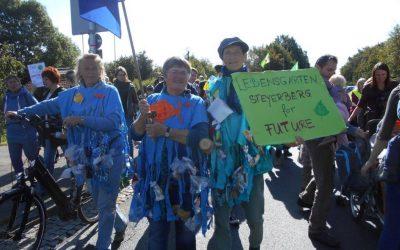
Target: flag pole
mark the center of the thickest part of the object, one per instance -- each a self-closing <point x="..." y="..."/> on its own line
<point x="133" y="49"/>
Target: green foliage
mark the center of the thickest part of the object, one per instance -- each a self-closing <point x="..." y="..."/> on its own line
<point x="203" y="66"/>
<point x="361" y="64"/>
<point x="145" y="66"/>
<point x="296" y="52"/>
<point x="27" y="26"/>
<point x="284" y="52"/>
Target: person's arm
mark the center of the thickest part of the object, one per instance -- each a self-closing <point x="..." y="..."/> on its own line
<point x="354" y="113"/>
<point x="388" y="122"/>
<point x="198" y="127"/>
<point x="47" y="107"/>
<point x="31" y="99"/>
<point x="138" y="128"/>
<point x="361" y="105"/>
<point x="179" y="135"/>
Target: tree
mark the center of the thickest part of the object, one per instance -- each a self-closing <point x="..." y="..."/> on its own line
<point x="295" y="51"/>
<point x="283" y="52"/>
<point x="279" y="58"/>
<point x="203" y="66"/>
<point x="145" y="66"/>
<point x="393" y="51"/>
<point x="27" y="26"/>
<point x="361" y="64"/>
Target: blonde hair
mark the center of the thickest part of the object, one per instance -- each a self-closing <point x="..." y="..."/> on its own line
<point x="100" y="66"/>
<point x="338" y="80"/>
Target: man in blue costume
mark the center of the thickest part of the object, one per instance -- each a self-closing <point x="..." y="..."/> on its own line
<point x="237" y="164"/>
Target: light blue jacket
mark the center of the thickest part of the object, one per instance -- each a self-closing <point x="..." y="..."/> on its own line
<point x="100" y="107"/>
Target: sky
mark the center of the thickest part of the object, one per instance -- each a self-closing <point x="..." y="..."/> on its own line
<point x="165" y="28"/>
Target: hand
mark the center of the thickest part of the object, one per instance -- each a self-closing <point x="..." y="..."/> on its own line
<point x="30" y="87"/>
<point x="155" y="129"/>
<point x="144" y="107"/>
<point x="361" y="133"/>
<point x="299" y="141"/>
<point x="71" y="121"/>
<point x="11" y="114"/>
<point x="367" y="167"/>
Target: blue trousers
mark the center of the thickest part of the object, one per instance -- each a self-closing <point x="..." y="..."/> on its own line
<point x="159" y="232"/>
<point x="109" y="215"/>
<point x="390" y="236"/>
<point x="30" y="148"/>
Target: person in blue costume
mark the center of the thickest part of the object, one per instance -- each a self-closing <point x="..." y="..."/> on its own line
<point x="237" y="164"/>
<point x="93" y="115"/>
<point x="172" y="176"/>
<point x="20" y="135"/>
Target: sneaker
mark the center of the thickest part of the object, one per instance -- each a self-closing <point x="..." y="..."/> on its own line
<point x="324" y="237"/>
<point x="303" y="204"/>
<point x="119" y="236"/>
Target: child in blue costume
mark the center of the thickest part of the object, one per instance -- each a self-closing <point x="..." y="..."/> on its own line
<point x="172" y="185"/>
<point x="95" y="119"/>
<point x="20" y="135"/>
<point x="237" y="164"/>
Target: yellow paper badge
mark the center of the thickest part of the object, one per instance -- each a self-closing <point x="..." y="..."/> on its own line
<point x="78" y="98"/>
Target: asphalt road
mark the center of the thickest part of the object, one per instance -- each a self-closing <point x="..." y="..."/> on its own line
<point x="285" y="225"/>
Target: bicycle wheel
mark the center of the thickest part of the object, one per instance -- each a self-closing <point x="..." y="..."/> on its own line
<point x="87" y="207"/>
<point x="357" y="206"/>
<point x="22" y="221"/>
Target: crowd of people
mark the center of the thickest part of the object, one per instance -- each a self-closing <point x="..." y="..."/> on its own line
<point x="185" y="155"/>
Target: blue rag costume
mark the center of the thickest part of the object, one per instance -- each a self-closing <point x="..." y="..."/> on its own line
<point x="161" y="190"/>
<point x="236" y="159"/>
<point x="103" y="134"/>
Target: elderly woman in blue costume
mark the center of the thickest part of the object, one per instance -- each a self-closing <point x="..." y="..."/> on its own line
<point x="172" y="184"/>
<point x="237" y="164"/>
<point x="93" y="115"/>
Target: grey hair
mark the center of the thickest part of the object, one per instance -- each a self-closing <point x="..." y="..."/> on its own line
<point x="176" y="61"/>
<point x="97" y="59"/>
<point x="338" y="80"/>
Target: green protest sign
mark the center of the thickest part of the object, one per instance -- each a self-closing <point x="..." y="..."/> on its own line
<point x="280" y="105"/>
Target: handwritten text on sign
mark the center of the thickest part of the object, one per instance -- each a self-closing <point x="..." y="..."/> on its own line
<point x="281" y="105"/>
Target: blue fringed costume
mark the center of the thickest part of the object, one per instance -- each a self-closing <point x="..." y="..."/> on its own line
<point x="237" y="168"/>
<point x="163" y="193"/>
<point x="102" y="136"/>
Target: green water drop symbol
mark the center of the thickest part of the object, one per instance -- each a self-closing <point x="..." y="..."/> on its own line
<point x="321" y="109"/>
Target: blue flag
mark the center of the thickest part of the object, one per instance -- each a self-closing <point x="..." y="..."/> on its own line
<point x="102" y="12"/>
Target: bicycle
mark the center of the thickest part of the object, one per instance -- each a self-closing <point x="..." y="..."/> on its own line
<point x="26" y="223"/>
<point x="368" y="203"/>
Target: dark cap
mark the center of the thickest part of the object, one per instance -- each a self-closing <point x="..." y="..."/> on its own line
<point x="232" y="41"/>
